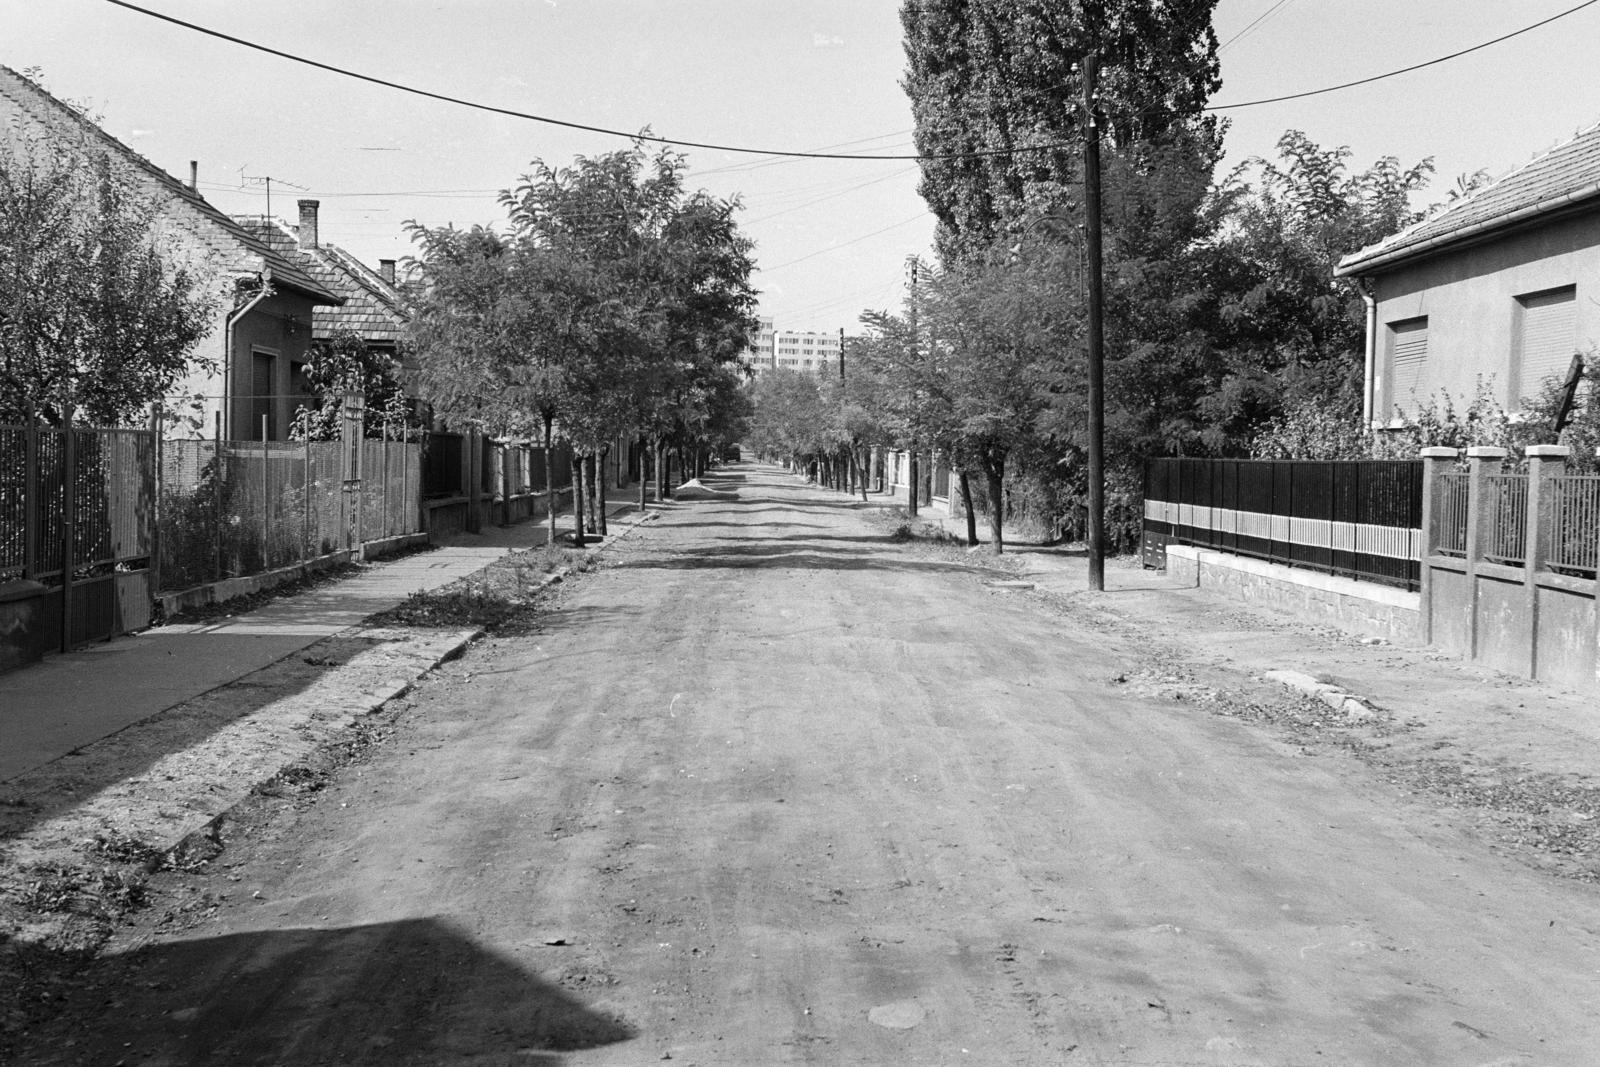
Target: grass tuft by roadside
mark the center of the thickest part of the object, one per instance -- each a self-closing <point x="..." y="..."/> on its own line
<point x="492" y="599"/>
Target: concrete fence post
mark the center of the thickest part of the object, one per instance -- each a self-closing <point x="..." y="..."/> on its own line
<point x="352" y="430"/>
<point x="1482" y="461"/>
<point x="1545" y="464"/>
<point x="1435" y="461"/>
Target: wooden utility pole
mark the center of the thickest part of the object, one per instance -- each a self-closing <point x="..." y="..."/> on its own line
<point x="911" y="469"/>
<point x="1096" y="339"/>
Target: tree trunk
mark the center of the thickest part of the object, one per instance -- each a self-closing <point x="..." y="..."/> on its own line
<point x="600" y="492"/>
<point x="663" y="491"/>
<point x="914" y="482"/>
<point x="586" y="464"/>
<point x="861" y="475"/>
<point x="966" y="505"/>
<point x="994" y="469"/>
<point x="550" y="477"/>
<point x="577" y="500"/>
<point x="644" y="473"/>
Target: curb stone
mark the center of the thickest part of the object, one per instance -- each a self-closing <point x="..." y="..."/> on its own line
<point x="175" y="774"/>
<point x="1354" y="708"/>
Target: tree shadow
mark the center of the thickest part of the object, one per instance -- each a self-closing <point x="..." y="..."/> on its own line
<point x="746" y="504"/>
<point x="777" y="557"/>
<point x="750" y="525"/>
<point x="415" y="991"/>
<point x="881" y="540"/>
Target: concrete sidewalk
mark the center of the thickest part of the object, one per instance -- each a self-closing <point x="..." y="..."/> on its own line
<point x="71" y="700"/>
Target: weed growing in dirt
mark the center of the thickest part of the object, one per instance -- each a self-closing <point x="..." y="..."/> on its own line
<point x="490" y="599"/>
<point x="101" y="894"/>
<point x="114" y="846"/>
<point x="903" y="528"/>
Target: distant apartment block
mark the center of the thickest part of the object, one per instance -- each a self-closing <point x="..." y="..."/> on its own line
<point x="807" y="352"/>
<point x="811" y="353"/>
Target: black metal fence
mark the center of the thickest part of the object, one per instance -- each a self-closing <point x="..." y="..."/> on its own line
<point x="1360" y="519"/>
<point x="76" y="511"/>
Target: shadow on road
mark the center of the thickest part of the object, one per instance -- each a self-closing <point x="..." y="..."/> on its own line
<point x="794" y="557"/>
<point x="750" y="525"/>
<point x="414" y="991"/>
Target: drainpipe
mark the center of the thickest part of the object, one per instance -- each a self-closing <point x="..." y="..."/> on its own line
<point x="1367" y="286"/>
<point x="227" y="348"/>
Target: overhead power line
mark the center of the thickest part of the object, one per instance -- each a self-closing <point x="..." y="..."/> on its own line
<point x="508" y="112"/>
<point x="1257" y="21"/>
<point x="651" y="138"/>
<point x="1407" y="70"/>
<point x="846" y="244"/>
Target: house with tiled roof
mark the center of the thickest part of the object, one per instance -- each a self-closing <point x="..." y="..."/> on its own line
<point x="373" y="306"/>
<point x="243" y="369"/>
<point x="1501" y="288"/>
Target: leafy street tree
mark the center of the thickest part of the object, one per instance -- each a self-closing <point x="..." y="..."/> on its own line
<point x="707" y="313"/>
<point x="608" y="308"/>
<point x="790" y="420"/>
<point x="993" y="358"/>
<point x="96" y="323"/>
<point x="1286" y="332"/>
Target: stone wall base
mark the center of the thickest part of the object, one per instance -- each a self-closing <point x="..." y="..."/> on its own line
<point x="1364" y="608"/>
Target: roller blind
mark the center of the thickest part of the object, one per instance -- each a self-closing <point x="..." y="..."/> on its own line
<point x="1549" y="333"/>
<point x="1408" y="346"/>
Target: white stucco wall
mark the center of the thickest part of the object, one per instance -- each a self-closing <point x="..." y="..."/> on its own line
<point x="1470" y="298"/>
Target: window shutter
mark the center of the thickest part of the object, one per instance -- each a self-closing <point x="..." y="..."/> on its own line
<point x="1409" y="345"/>
<point x="1549" y="334"/>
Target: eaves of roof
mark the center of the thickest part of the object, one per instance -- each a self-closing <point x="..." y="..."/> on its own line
<point x="1378" y="257"/>
<point x="237" y="248"/>
<point x="1560" y="182"/>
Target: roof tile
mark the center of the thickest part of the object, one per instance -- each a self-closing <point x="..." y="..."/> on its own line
<point x="1567" y="174"/>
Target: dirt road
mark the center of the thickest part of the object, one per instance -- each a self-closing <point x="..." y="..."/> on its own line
<point x="769" y="788"/>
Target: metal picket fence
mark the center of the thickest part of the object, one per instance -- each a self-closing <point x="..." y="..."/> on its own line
<point x="231" y="509"/>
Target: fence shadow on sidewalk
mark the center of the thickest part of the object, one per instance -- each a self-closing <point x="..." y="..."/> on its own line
<point x="44" y="792"/>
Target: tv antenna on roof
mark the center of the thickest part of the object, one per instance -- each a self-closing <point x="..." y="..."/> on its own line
<point x="251" y="179"/>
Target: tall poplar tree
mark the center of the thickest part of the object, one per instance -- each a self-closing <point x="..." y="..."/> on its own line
<point x="997" y="93"/>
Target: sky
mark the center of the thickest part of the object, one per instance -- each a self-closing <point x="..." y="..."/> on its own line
<point x="798" y="75"/>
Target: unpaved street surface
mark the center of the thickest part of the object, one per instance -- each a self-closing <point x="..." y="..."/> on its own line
<point x="768" y="787"/>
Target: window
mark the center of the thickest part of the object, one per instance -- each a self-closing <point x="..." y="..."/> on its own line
<point x="1546" y="338"/>
<point x="1408" y="364"/>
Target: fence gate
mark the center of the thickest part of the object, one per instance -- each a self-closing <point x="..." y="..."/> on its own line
<point x="77" y="516"/>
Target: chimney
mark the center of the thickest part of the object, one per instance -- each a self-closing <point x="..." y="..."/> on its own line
<point x="194" y="175"/>
<point x="386" y="270"/>
<point x="308" y="223"/>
